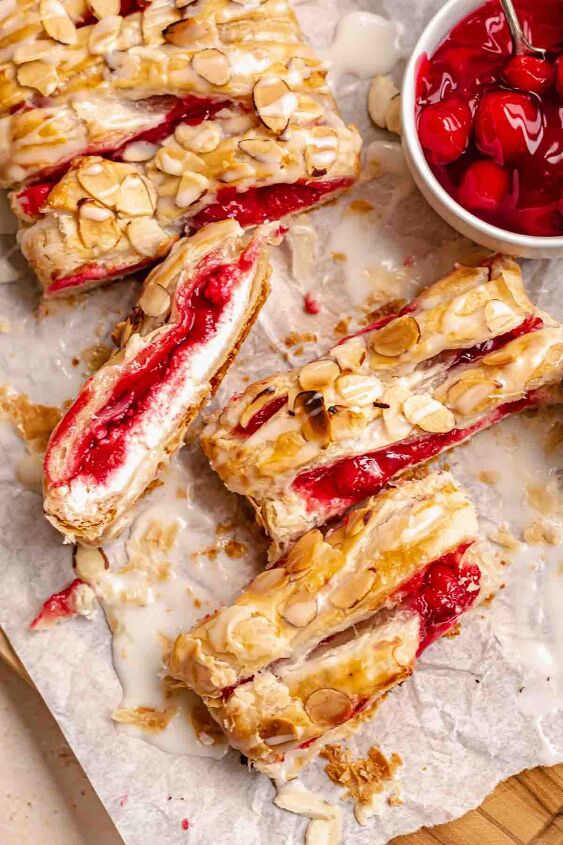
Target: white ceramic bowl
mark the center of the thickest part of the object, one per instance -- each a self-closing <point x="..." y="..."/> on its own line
<point x="459" y="218"/>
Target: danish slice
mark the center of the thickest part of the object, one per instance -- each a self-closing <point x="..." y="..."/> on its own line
<point x="310" y="646"/>
<point x="132" y="414"/>
<point x="306" y="445"/>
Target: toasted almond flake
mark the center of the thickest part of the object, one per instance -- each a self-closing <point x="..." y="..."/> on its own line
<point x="351" y="354"/>
<point x="176" y="161"/>
<point x="30" y="51"/>
<point x="324" y="832"/>
<point x="139" y="151"/>
<point x="146" y="236"/>
<point x="104" y="8"/>
<point x="213" y="66"/>
<point x="136" y="197"/>
<point x="345" y="424"/>
<point x="272" y="579"/>
<point x="189" y="32"/>
<point x="155" y="300"/>
<point x="199" y="139"/>
<point x="308" y="110"/>
<point x="264" y="150"/>
<point x="310" y="408"/>
<point x="302" y="554"/>
<point x="396" y="424"/>
<point x="318" y="374"/>
<point x="397" y="337"/>
<point x="300" y="609"/>
<point x="57" y="21"/>
<point x="191" y="187"/>
<point x="328" y="706"/>
<point x="97" y="226"/>
<point x="428" y="414"/>
<point x="472" y="394"/>
<point x="499" y="316"/>
<point x="104" y="34"/>
<point x="39" y="75"/>
<point x="356" y="389"/>
<point x="354" y="589"/>
<point x="384" y="104"/>
<point x="89" y="564"/>
<point x="322" y="152"/>
<point x="274" y="103"/>
<point x="100" y="180"/>
<point x="304" y="803"/>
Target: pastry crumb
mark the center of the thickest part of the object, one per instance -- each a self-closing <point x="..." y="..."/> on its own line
<point x="502" y="536"/>
<point x="454" y="631"/>
<point x="362" y="778"/>
<point x="145" y="718"/>
<point x="489" y="476"/>
<point x="95" y="356"/>
<point x="234" y="549"/>
<point x="341" y="328"/>
<point x="34" y="423"/>
<point x="541" y="532"/>
<point x="295" y="338"/>
<point x="338" y="256"/>
<point x="359" y="206"/>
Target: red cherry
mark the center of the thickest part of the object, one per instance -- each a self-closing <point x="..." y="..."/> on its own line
<point x="443" y="129"/>
<point x="529" y="73"/>
<point x="204" y="323"/>
<point x="442" y="577"/>
<point x="358" y="476"/>
<point x="484" y="185"/>
<point x="507" y="125"/>
<point x="559" y="75"/>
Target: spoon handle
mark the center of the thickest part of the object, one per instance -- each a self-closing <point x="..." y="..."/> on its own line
<point x="519" y="40"/>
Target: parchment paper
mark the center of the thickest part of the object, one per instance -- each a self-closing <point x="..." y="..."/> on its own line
<point x="480" y="706"/>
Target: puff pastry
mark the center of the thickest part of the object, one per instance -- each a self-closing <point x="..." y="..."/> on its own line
<point x="310" y="646"/>
<point x="132" y="414"/>
<point x="128" y="101"/>
<point x="307" y="444"/>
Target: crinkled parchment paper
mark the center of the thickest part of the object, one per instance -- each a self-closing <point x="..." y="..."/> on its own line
<point x="480" y="706"/>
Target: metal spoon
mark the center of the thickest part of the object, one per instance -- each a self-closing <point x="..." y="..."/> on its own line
<point x="520" y="42"/>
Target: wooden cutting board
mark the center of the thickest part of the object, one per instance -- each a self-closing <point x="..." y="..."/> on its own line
<point x="527" y="809"/>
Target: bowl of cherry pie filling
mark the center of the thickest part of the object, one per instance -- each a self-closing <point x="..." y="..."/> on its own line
<point x="483" y="126"/>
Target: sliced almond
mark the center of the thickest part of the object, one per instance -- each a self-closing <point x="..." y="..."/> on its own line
<point x="261" y="400"/>
<point x="99" y="178"/>
<point x="328" y="706"/>
<point x="345" y="424"/>
<point x="39" y="75"/>
<point x="175" y="161"/>
<point x="57" y="22"/>
<point x="264" y="150"/>
<point x="146" y="237"/>
<point x="97" y="226"/>
<point x="499" y="317"/>
<point x="301" y="556"/>
<point x="351" y="354"/>
<point x="353" y="590"/>
<point x="300" y="609"/>
<point x="396" y="337"/>
<point x="191" y="187"/>
<point x="136" y="197"/>
<point x="89" y="564"/>
<point x="274" y="103"/>
<point x="30" y="51"/>
<point x="396" y="424"/>
<point x="324" y="832"/>
<point x="356" y="389"/>
<point x="310" y="407"/>
<point x="104" y="8"/>
<point x="156" y="17"/>
<point x="318" y="374"/>
<point x="213" y="66"/>
<point x="155" y="300"/>
<point x="303" y="803"/>
<point x="203" y="138"/>
<point x="322" y="151"/>
<point x="308" y="111"/>
<point x="382" y="94"/>
<point x="428" y="414"/>
<point x="139" y="151"/>
<point x="190" y="33"/>
<point x="272" y="579"/>
<point x="103" y="35"/>
<point x="472" y="394"/>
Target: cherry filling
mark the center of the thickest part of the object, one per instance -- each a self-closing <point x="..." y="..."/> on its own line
<point x="59" y="606"/>
<point x="270" y="202"/>
<point x="189" y="109"/>
<point x="336" y="487"/>
<point x="262" y="416"/>
<point x="491" y="123"/>
<point x="103" y="445"/>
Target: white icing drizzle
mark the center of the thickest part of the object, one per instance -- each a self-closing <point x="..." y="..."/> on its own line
<point x="364" y="45"/>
